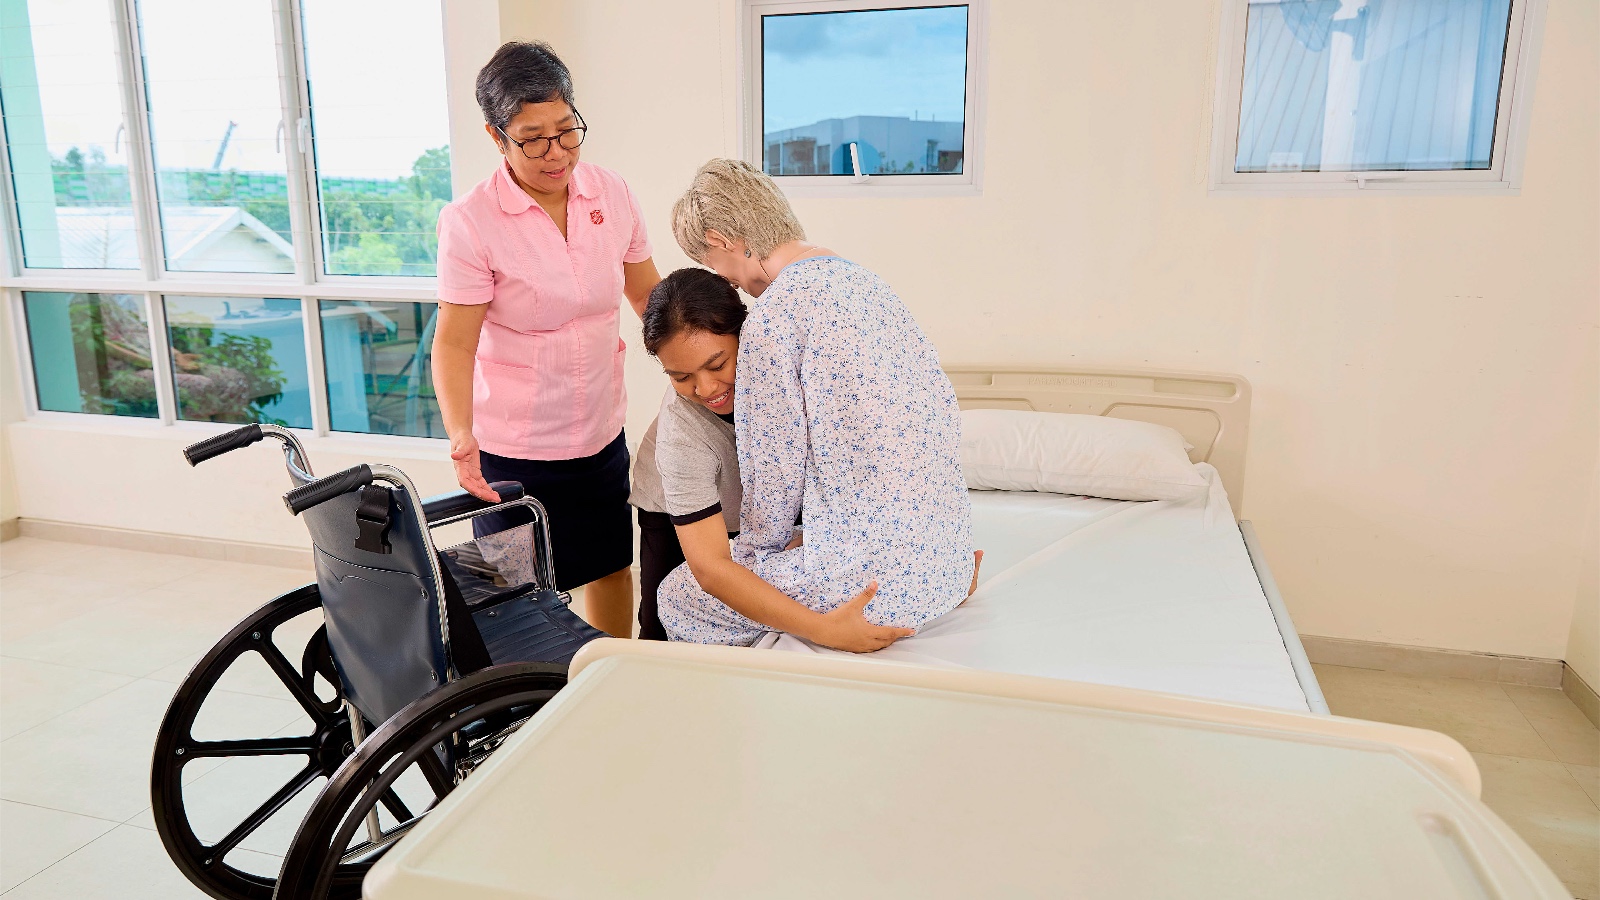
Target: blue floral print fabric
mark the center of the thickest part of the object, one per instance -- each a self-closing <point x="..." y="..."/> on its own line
<point x="842" y="410"/>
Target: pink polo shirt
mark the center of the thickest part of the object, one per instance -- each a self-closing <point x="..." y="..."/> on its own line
<point x="548" y="380"/>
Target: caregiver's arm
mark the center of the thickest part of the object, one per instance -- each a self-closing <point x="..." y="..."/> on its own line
<point x="705" y="547"/>
<point x="455" y="349"/>
<point x="637" y="281"/>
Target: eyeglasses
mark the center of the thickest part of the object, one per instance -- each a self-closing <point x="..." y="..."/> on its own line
<point x="538" y="147"/>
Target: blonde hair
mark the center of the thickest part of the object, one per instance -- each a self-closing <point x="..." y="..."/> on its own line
<point x="739" y="201"/>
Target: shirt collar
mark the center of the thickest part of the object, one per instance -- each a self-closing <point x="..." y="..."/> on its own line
<point x="515" y="200"/>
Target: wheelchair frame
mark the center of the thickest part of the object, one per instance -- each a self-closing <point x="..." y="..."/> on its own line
<point x="459" y="722"/>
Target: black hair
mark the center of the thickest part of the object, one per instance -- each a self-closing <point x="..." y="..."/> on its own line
<point x="691" y="300"/>
<point x="521" y="72"/>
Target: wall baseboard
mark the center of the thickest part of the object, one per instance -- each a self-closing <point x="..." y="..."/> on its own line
<point x="1410" y="660"/>
<point x="175" y="544"/>
<point x="1581" y="694"/>
<point x="10" y="528"/>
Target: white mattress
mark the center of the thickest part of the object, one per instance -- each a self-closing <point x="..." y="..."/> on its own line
<point x="1157" y="595"/>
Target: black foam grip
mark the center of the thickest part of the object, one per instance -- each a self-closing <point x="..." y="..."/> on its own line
<point x="457" y="503"/>
<point x="228" y="441"/>
<point x="322" y="490"/>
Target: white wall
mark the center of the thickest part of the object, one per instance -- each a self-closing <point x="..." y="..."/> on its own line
<point x="1583" y="637"/>
<point x="1425" y="368"/>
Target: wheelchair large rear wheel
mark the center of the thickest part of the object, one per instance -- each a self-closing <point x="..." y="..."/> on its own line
<point x="462" y="723"/>
<point x="226" y="803"/>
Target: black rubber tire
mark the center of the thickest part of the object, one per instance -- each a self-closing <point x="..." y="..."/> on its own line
<point x="416" y="733"/>
<point x="175" y="746"/>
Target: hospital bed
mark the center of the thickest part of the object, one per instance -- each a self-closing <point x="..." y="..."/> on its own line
<point x="1165" y="595"/>
<point x="679" y="770"/>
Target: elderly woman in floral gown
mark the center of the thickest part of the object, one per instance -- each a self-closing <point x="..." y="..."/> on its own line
<point x="841" y="410"/>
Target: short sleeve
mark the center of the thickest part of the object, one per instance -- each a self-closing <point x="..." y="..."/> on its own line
<point x="465" y="276"/>
<point x="639" y="242"/>
<point x="689" y="468"/>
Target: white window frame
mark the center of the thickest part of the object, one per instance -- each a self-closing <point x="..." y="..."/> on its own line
<point x="1504" y="175"/>
<point x="153" y="281"/>
<point x="751" y="135"/>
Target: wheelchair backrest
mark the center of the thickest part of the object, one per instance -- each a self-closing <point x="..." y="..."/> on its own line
<point x="381" y="609"/>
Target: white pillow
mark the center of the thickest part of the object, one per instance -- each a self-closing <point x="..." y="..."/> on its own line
<point x="1062" y="453"/>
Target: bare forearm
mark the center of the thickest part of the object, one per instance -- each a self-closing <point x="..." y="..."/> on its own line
<point x="748" y="595"/>
<point x="452" y="384"/>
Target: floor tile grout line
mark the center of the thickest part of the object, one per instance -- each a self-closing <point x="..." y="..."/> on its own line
<point x="63" y="859"/>
<point x="1542" y="740"/>
<point x="67" y="811"/>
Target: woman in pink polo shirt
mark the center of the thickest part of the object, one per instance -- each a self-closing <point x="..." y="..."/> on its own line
<point x="527" y="359"/>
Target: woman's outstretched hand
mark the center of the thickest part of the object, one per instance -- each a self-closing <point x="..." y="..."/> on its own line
<point x="469" y="472"/>
<point x="846" y="627"/>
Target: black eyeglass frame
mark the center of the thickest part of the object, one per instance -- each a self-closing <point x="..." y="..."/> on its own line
<point x="582" y="129"/>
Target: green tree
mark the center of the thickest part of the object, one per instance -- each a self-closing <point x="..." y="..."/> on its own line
<point x="372" y="255"/>
<point x="430" y="176"/>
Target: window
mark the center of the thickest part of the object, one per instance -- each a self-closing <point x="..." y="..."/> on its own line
<point x="222" y="176"/>
<point x="91" y="353"/>
<point x="382" y="149"/>
<point x="1353" y="94"/>
<point x="854" y="96"/>
<point x="380" y="377"/>
<point x="67" y="135"/>
<point x="239" y="359"/>
<point x="225" y="231"/>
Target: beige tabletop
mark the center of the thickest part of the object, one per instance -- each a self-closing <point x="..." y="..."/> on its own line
<point x="694" y="772"/>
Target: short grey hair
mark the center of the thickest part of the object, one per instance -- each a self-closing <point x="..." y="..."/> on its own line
<point x="521" y="72"/>
<point x="739" y="201"/>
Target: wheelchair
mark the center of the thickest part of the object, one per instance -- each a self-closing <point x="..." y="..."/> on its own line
<point x="409" y="666"/>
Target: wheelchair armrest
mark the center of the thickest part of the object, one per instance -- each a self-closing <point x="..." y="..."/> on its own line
<point x="457" y="503"/>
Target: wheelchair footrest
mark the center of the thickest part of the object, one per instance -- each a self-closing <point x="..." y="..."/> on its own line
<point x="535" y="627"/>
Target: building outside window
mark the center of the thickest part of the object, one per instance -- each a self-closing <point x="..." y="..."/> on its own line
<point x="1354" y="94"/>
<point x="846" y="93"/>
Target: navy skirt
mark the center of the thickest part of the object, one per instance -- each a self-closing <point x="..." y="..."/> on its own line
<point x="591" y="528"/>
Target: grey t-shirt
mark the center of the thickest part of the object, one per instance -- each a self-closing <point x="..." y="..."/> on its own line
<point x="688" y="465"/>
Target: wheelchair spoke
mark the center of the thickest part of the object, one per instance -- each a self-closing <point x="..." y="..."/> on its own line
<point x="291" y="680"/>
<point x="288" y="746"/>
<point x="264" y="812"/>
<point x="395" y="806"/>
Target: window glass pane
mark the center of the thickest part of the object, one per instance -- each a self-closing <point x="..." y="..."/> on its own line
<point x="91" y="353"/>
<point x="215" y="113"/>
<point x="239" y="359"/>
<point x="1362" y="85"/>
<point x="380" y="373"/>
<point x="64" y="126"/>
<point x="891" y="82"/>
<point x="382" y="139"/>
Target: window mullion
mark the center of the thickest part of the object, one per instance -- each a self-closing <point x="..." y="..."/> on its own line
<point x="303" y="218"/>
<point x="141" y="161"/>
<point x="321" y="418"/>
<point x="155" y="312"/>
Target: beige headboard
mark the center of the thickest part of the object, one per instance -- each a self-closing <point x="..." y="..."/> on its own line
<point x="1212" y="412"/>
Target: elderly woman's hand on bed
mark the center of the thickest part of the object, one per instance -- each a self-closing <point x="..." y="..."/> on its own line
<point x="846" y="627"/>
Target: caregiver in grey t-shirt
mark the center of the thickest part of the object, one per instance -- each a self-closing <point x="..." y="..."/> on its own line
<point x="687" y="467"/>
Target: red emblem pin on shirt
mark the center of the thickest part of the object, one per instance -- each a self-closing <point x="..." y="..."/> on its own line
<point x="597" y="217"/>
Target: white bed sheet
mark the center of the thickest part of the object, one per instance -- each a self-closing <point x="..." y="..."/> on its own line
<point x="1158" y="595"/>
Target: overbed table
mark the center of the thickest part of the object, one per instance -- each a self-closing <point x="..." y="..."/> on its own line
<point x="681" y="771"/>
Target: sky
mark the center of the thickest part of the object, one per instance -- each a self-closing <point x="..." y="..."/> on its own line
<point x="376" y="70"/>
<point x="899" y="62"/>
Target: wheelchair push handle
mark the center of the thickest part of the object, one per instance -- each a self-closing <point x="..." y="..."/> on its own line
<point x="226" y="442"/>
<point x="322" y="490"/>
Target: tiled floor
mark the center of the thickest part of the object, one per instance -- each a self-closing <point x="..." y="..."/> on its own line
<point x="94" y="640"/>
<point x="1539" y="756"/>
